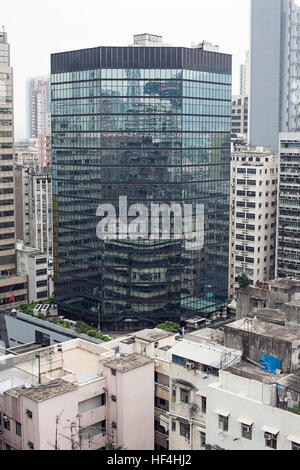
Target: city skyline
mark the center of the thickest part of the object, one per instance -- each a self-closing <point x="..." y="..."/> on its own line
<point x="33" y="40"/>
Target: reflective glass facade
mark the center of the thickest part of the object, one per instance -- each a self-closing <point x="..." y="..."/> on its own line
<point x="152" y="124"/>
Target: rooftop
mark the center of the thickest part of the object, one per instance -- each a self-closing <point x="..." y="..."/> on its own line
<point x="270" y="315"/>
<point x="204" y="353"/>
<point x="127" y="363"/>
<point x="41" y="393"/>
<point x="256" y="326"/>
<point x="249" y="371"/>
<point x="285" y="284"/>
<point x="152" y="335"/>
<point x="291" y="381"/>
<point x="206" y="335"/>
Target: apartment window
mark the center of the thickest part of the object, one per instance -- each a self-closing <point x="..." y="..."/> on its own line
<point x="271" y="440"/>
<point x="18" y="429"/>
<point x="202" y="439"/>
<point x="29" y="414"/>
<point x="113" y="398"/>
<point x="247" y="431"/>
<point x="185" y="430"/>
<point x="173" y="425"/>
<point x="114" y="425"/>
<point x="223" y="423"/>
<point x="184" y="396"/>
<point x="113" y="372"/>
<point x="203" y="404"/>
<point x="6" y="421"/>
<point x="295" y="446"/>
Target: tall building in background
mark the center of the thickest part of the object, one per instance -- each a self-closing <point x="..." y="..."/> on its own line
<point x="13" y="288"/>
<point x="288" y="223"/>
<point x="38" y="107"/>
<point x="33" y="193"/>
<point x="239" y="118"/>
<point x="275" y="71"/>
<point x="152" y="124"/>
<point x="254" y="179"/>
<point x="245" y="75"/>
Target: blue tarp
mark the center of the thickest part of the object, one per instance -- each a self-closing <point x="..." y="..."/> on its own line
<point x="270" y="364"/>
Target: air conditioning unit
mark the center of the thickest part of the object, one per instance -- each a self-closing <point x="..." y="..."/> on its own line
<point x="189" y="365"/>
<point x="5" y="418"/>
<point x="268" y="436"/>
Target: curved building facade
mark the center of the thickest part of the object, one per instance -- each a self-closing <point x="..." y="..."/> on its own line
<point x="151" y="124"/>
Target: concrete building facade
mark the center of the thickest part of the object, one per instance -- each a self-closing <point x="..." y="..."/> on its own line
<point x="13" y="289"/>
<point x="239" y="117"/>
<point x="34" y="208"/>
<point x="288" y="218"/>
<point x="34" y="264"/>
<point x="85" y="394"/>
<point x="275" y="64"/>
<point x="254" y="179"/>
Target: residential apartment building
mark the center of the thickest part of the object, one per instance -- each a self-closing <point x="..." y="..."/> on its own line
<point x="159" y="117"/>
<point x="26" y="153"/>
<point x="34" y="264"/>
<point x="275" y="71"/>
<point x="251" y="410"/>
<point x="13" y="289"/>
<point x="85" y="394"/>
<point x="196" y="363"/>
<point x="245" y="75"/>
<point x="239" y="118"/>
<point x="254" y="179"/>
<point x="288" y="220"/>
<point x="155" y="344"/>
<point x="34" y="208"/>
<point x="44" y="150"/>
<point x="38" y="107"/>
<point x="277" y="301"/>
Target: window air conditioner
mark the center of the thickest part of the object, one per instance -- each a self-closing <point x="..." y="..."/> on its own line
<point x="268" y="436"/>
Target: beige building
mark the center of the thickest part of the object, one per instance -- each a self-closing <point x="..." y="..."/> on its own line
<point x="33" y="189"/>
<point x="239" y="115"/>
<point x="154" y="344"/>
<point x="13" y="289"/>
<point x="254" y="179"/>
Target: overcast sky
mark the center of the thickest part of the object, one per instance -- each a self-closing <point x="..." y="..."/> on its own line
<point x="37" y="28"/>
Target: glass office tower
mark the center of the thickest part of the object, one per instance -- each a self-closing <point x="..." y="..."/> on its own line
<point x="152" y="124"/>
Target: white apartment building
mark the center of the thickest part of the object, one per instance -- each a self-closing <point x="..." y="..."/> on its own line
<point x="13" y="289"/>
<point x="34" y="208"/>
<point x="254" y="179"/>
<point x="251" y="410"/>
<point x="288" y="216"/>
<point x="195" y="364"/>
<point x="33" y="263"/>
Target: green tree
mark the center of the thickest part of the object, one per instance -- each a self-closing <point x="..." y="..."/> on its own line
<point x="110" y="445"/>
<point x="169" y="326"/>
<point x="244" y="281"/>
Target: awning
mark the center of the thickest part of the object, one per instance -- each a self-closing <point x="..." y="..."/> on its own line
<point x="246" y="421"/>
<point x="270" y="430"/>
<point x="295" y="439"/>
<point x="222" y="413"/>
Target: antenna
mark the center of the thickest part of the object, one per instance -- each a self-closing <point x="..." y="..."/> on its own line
<point x="57" y="421"/>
